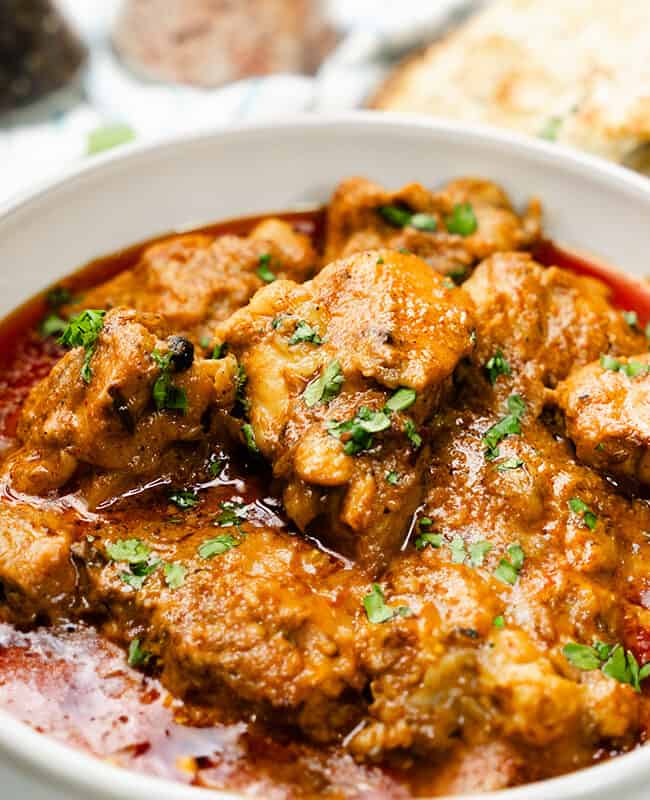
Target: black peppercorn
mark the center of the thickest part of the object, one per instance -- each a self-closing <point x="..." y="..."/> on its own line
<point x="182" y="353"/>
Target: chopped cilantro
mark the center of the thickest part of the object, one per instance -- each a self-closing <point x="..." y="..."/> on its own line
<point x="357" y="433"/>
<point x="632" y="368"/>
<point x="497" y="365"/>
<point x="392" y="478"/>
<point x="219" y="350"/>
<point x="325" y="387"/>
<point x="133" y="551"/>
<point x="429" y="539"/>
<point x="507" y="426"/>
<point x="264" y="270"/>
<point x="249" y="437"/>
<point x="218" y="545"/>
<point x="402" y="399"/>
<point x="305" y="333"/>
<point x="478" y="551"/>
<point x="231" y="514"/>
<point x="139" y="573"/>
<point x="424" y="222"/>
<point x="508" y="570"/>
<point x="396" y="216"/>
<point x="204" y="341"/>
<point x="580" y="508"/>
<point x="458" y="552"/>
<point x="376" y="609"/>
<point x="613" y="661"/>
<point x="499" y="622"/>
<point x="52" y="325"/>
<point x="380" y="260"/>
<point x="137" y="656"/>
<point x="58" y="296"/>
<point x="462" y="220"/>
<point x="632" y="319"/>
<point x="184" y="498"/>
<point x="174" y="574"/>
<point x="509" y="463"/>
<point x="581" y="656"/>
<point x="241" y="379"/>
<point x="83" y="331"/>
<point x="166" y="395"/>
<point x="412" y="434"/>
<point x="215" y="467"/>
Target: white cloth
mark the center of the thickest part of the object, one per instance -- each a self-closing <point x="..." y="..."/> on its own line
<point x="36" y="142"/>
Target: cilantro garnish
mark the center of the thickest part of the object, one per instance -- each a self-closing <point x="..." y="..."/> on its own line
<point x="83" y="331"/>
<point x="580" y="508"/>
<point x="632" y="369"/>
<point x="462" y="220"/>
<point x="376" y="609"/>
<point x="325" y="387"/>
<point x="497" y="365"/>
<point x="137" y="656"/>
<point x="166" y="395"/>
<point x="174" y="574"/>
<point x="305" y="333"/>
<point x="507" y="426"/>
<point x="613" y="661"/>
<point x="508" y="570"/>
<point x="218" y="545"/>
<point x="184" y="498"/>
<point x="264" y="270"/>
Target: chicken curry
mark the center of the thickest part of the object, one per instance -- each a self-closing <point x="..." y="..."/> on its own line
<point x="345" y="504"/>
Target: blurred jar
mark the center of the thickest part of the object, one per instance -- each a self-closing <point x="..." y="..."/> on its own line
<point x="211" y="42"/>
<point x="38" y="52"/>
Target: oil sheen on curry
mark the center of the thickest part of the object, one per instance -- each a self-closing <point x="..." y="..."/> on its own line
<point x="344" y="504"/>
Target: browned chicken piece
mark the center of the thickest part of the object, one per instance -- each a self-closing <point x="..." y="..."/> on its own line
<point x="542" y="322"/>
<point x="452" y="229"/>
<point x="607" y="415"/>
<point x="37" y="577"/>
<point x="117" y="407"/>
<point x="252" y="620"/>
<point x="504" y="573"/>
<point x="342" y="374"/>
<point x="195" y="281"/>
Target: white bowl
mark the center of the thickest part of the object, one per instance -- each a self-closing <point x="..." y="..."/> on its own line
<point x="139" y="191"/>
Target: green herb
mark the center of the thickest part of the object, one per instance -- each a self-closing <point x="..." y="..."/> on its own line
<point x="137" y="656"/>
<point x="241" y="379"/>
<point x="83" y="331"/>
<point x="404" y="251"/>
<point x="580" y="508"/>
<point x="581" y="656"/>
<point x="264" y="270"/>
<point x="632" y="319"/>
<point x="396" y="216"/>
<point x="424" y="523"/>
<point x="392" y="478"/>
<point x="632" y="369"/>
<point x="411" y="433"/>
<point x="358" y="432"/>
<point x="499" y="622"/>
<point x="52" y="325"/>
<point x="448" y="282"/>
<point x="139" y="573"/>
<point x="401" y="400"/>
<point x="217" y="546"/>
<point x="510" y="463"/>
<point x="215" y="467"/>
<point x="277" y="321"/>
<point x="380" y="260"/>
<point x="508" y="570"/>
<point x="424" y="222"/>
<point x="462" y="220"/>
<point x="219" y="350"/>
<point x="551" y="129"/>
<point x="325" y="387"/>
<point x="497" y="365"/>
<point x="376" y="609"/>
<point x="249" y="437"/>
<point x="305" y="333"/>
<point x="457" y="275"/>
<point x="109" y="136"/>
<point x="204" y="341"/>
<point x="174" y="574"/>
<point x="478" y="551"/>
<point x="231" y="514"/>
<point x="184" y="498"/>
<point x="613" y="661"/>
<point x="507" y="426"/>
<point x="58" y="296"/>
<point x="133" y="551"/>
<point x="428" y="539"/>
<point x="166" y="395"/>
<point x="457" y="548"/>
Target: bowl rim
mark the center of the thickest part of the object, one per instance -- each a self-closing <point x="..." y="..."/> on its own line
<point x="63" y="766"/>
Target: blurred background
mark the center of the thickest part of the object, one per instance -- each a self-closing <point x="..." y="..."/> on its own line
<point x="78" y="77"/>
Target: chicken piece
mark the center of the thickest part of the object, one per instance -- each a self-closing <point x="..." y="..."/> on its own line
<point x="195" y="281"/>
<point x="607" y="415"/>
<point x="332" y="366"/>
<point x="544" y="322"/>
<point x="503" y="574"/>
<point x="255" y="619"/>
<point x="116" y="406"/>
<point x="37" y="577"/>
<point x="358" y="219"/>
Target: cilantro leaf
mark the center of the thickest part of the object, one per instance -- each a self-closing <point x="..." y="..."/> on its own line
<point x="83" y="331"/>
<point x="508" y="426"/>
<point x="497" y="365"/>
<point x="184" y="498"/>
<point x="402" y="399"/>
<point x="174" y="574"/>
<point x="325" y="387"/>
<point x="133" y="551"/>
<point x="264" y="270"/>
<point x="305" y="333"/>
<point x="218" y="545"/>
<point x="580" y="508"/>
<point x="462" y="220"/>
<point x="137" y="657"/>
<point x="478" y="551"/>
